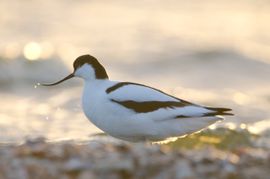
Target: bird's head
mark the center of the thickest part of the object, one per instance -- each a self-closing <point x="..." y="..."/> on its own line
<point x="86" y="67"/>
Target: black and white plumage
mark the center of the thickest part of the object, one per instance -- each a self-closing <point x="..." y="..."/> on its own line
<point x="136" y="112"/>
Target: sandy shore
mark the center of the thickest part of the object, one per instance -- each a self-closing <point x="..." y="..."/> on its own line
<point x="40" y="159"/>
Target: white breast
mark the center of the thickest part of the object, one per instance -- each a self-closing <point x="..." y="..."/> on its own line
<point x="100" y="110"/>
<point x="92" y="100"/>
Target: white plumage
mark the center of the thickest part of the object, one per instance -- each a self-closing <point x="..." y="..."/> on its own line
<point x="136" y="112"/>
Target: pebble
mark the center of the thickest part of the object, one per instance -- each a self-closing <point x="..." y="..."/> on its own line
<point x="39" y="159"/>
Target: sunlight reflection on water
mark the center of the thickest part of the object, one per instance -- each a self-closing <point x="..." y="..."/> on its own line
<point x="179" y="47"/>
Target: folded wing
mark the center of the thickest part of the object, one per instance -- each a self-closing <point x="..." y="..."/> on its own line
<point x="143" y="99"/>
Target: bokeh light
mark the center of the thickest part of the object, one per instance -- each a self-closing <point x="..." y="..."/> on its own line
<point x="32" y="51"/>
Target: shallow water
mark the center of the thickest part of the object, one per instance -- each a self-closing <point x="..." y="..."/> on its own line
<point x="211" y="53"/>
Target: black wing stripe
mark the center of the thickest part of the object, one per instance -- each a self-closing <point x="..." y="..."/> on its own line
<point x="213" y="112"/>
<point x="217" y="114"/>
<point x="206" y="115"/>
<point x="149" y="106"/>
<point x="181" y="116"/>
<point x="116" y="86"/>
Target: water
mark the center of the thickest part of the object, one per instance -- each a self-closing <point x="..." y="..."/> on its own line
<point x="213" y="53"/>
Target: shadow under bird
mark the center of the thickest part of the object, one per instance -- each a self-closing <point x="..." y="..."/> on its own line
<point x="136" y="112"/>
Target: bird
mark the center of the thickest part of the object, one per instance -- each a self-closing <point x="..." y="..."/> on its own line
<point x="135" y="112"/>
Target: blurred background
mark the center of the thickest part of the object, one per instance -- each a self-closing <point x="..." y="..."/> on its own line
<point x="215" y="53"/>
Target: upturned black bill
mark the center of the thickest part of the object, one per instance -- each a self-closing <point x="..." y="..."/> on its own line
<point x="56" y="83"/>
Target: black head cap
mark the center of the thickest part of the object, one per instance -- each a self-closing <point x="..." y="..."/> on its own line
<point x="100" y="71"/>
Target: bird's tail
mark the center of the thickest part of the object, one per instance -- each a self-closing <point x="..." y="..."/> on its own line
<point x="219" y="111"/>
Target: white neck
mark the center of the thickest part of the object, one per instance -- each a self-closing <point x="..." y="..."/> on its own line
<point x="92" y="94"/>
<point x="95" y="83"/>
